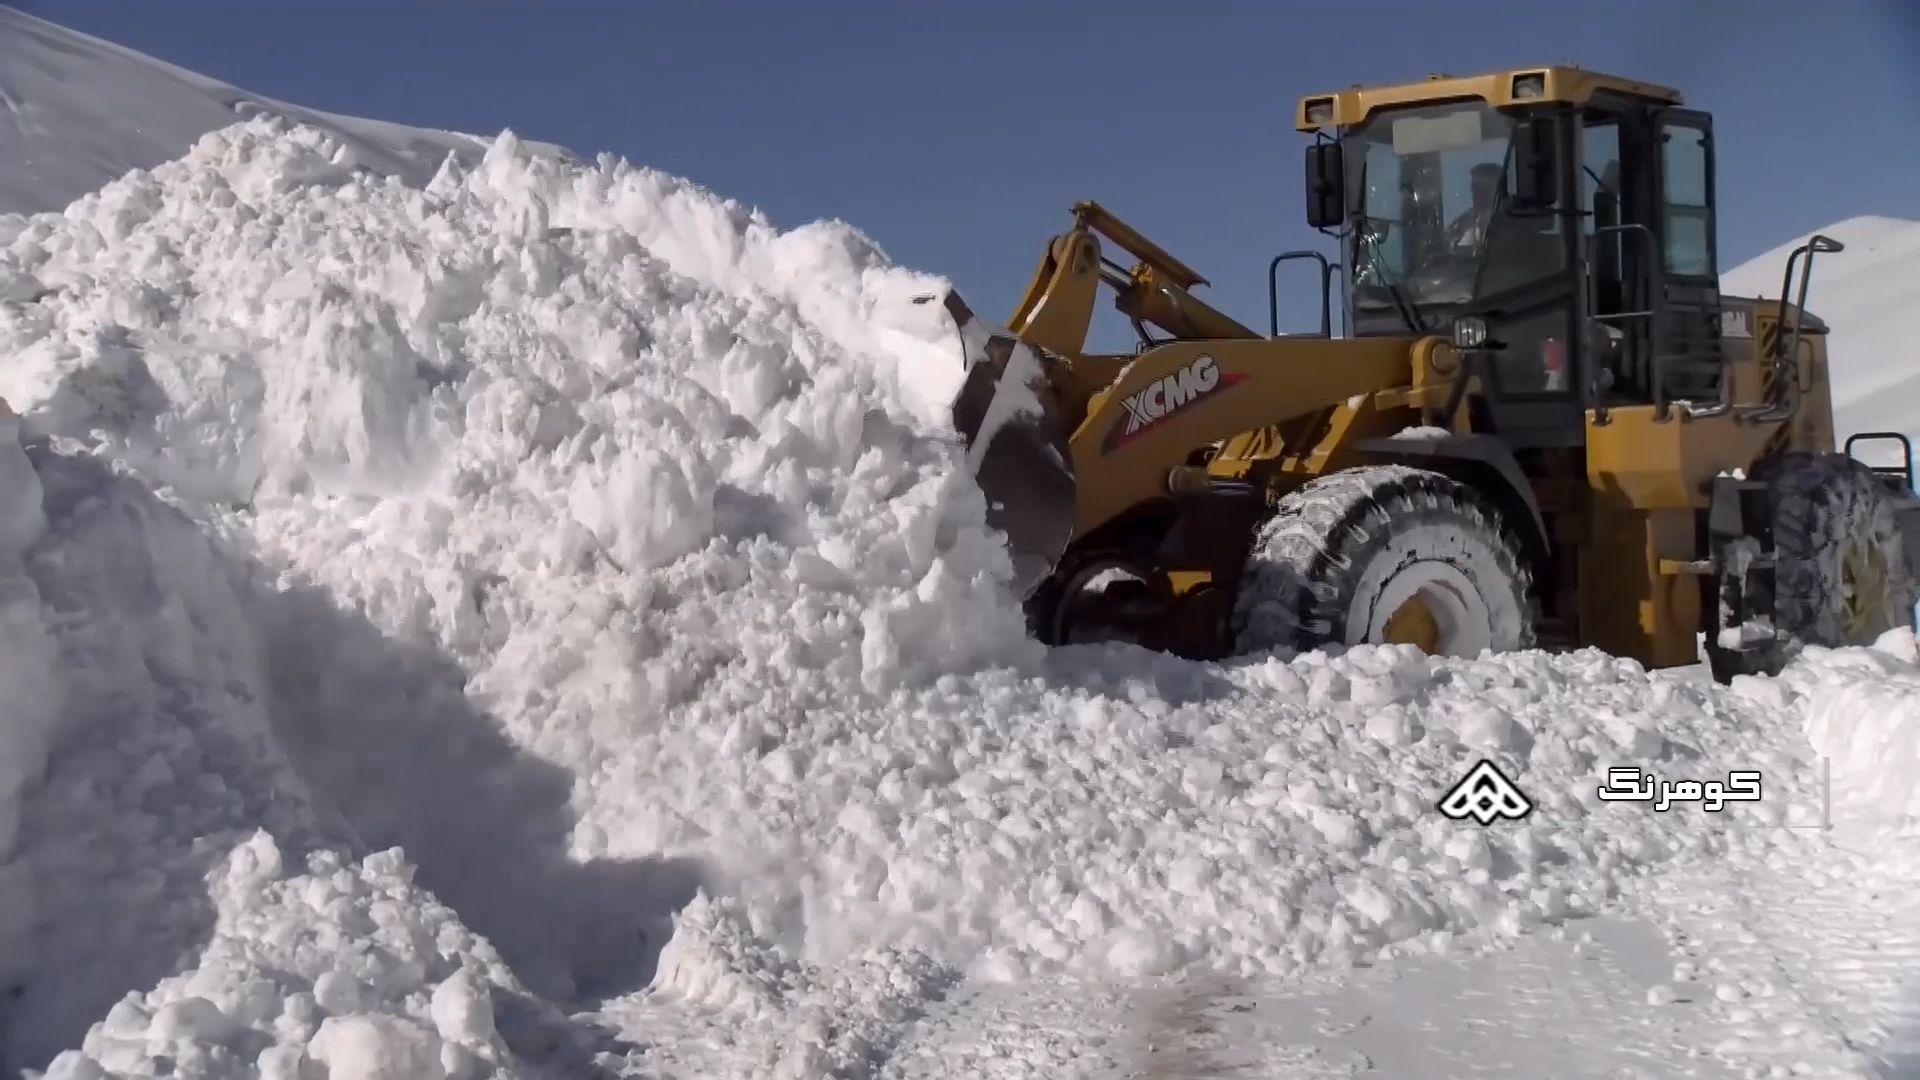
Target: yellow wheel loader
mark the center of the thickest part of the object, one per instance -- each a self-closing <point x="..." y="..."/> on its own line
<point x="1541" y="424"/>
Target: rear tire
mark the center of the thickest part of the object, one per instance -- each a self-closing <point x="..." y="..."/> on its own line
<point x="1840" y="573"/>
<point x="1385" y="554"/>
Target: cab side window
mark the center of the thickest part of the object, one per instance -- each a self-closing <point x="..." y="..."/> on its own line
<point x="1686" y="205"/>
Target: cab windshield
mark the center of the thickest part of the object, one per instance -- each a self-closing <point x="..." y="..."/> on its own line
<point x="1431" y="227"/>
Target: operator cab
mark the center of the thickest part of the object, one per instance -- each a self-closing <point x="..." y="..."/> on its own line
<point x="1563" y="217"/>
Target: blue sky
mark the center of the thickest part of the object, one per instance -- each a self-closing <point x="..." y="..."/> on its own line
<point x="957" y="134"/>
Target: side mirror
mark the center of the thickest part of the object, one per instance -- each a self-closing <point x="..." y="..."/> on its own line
<point x="1536" y="181"/>
<point x="1326" y="186"/>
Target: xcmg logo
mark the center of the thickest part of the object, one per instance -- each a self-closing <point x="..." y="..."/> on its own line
<point x="1167" y="395"/>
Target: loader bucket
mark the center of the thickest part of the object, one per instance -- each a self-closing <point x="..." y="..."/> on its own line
<point x="1016" y="444"/>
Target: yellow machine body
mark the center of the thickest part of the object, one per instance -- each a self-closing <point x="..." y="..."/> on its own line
<point x="1170" y="456"/>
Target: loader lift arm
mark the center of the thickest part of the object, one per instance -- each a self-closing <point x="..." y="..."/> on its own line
<point x="1135" y="422"/>
<point x="1057" y="309"/>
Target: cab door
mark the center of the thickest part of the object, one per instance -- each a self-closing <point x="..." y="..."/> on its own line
<point x="1535" y="396"/>
<point x="1688" y="361"/>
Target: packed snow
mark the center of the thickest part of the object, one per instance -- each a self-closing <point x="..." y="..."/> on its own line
<point x="532" y="622"/>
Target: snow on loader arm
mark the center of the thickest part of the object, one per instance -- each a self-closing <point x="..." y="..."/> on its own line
<point x="1016" y="441"/>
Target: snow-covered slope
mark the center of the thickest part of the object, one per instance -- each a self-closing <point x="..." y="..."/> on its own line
<point x="532" y="624"/>
<point x="1866" y="294"/>
<point x="77" y="112"/>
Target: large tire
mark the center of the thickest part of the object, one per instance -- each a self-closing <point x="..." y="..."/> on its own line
<point x="1840" y="572"/>
<point x="1344" y="553"/>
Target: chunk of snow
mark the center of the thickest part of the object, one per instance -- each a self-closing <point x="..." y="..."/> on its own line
<point x="1635" y="736"/>
<point x="1862" y="709"/>
<point x="372" y="1047"/>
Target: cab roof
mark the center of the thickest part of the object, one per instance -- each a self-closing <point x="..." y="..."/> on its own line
<point x="1517" y="86"/>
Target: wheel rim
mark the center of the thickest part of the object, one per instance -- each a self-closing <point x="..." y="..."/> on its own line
<point x="1078" y="599"/>
<point x="1429" y="605"/>
<point x="1863" y="590"/>
<point x="1413" y="623"/>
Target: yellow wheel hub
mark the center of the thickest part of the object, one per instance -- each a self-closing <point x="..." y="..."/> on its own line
<point x="1863" y="590"/>
<point x="1413" y="623"/>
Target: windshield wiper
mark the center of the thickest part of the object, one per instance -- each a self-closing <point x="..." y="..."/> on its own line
<point x="1401" y="303"/>
<point x="1407" y="311"/>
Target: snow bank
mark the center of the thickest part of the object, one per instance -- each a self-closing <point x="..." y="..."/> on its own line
<point x="1863" y="294"/>
<point x="1259" y="817"/>
<point x="1863" y="714"/>
<point x="141" y="881"/>
<point x="81" y="112"/>
<point x="29" y="684"/>
<point x="582" y="508"/>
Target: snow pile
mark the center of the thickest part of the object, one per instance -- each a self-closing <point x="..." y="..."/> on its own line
<point x="590" y="511"/>
<point x="1863" y="295"/>
<point x="81" y="112"/>
<point x="136" y="725"/>
<point x="1863" y="715"/>
<point x="1260" y="817"/>
<point x="29" y="684"/>
<point x="347" y="967"/>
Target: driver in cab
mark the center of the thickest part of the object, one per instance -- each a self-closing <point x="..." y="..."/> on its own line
<point x="1470" y="228"/>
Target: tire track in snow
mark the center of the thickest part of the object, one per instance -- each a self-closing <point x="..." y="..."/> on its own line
<point x="1179" y="1033"/>
<point x="1570" y="1005"/>
<point x="1200" y="1027"/>
<point x="1565" y="1004"/>
<point x="1812" y="957"/>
